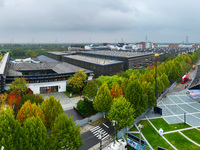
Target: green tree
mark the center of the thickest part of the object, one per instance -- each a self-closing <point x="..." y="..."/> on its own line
<point x="35" y="134"/>
<point x="27" y="54"/>
<point x="66" y="134"/>
<point x="133" y="77"/>
<point x="150" y="91"/>
<point x="85" y="107"/>
<point x="122" y="112"/>
<point x="160" y="85"/>
<point x="51" y="108"/>
<point x="135" y="95"/>
<point x="90" y="90"/>
<point x="103" y="100"/>
<point x="124" y="85"/>
<point x="78" y="81"/>
<point x="165" y="80"/>
<point x="179" y="67"/>
<point x="110" y="80"/>
<point x="173" y="73"/>
<point x="20" y="85"/>
<point x="7" y="110"/>
<point x="10" y="132"/>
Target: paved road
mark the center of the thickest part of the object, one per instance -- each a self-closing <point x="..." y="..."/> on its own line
<point x="91" y="137"/>
<point x="76" y="115"/>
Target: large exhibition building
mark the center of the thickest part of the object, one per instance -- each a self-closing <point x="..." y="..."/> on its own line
<point x="43" y="76"/>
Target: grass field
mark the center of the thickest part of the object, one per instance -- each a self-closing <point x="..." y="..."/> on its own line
<point x="161" y="123"/>
<point x="179" y="141"/>
<point x="193" y="134"/>
<point x="152" y="136"/>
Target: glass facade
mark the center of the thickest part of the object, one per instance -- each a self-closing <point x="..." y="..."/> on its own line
<point x="48" y="89"/>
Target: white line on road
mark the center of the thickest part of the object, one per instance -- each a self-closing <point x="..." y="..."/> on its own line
<point x="105" y="125"/>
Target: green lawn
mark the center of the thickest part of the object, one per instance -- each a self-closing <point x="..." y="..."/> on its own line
<point x="152" y="136"/>
<point x="193" y="134"/>
<point x="161" y="123"/>
<point x="73" y="95"/>
<point x="180" y="142"/>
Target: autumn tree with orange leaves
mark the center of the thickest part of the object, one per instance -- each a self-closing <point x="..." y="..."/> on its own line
<point x="14" y="100"/>
<point x="29" y="110"/>
<point x="116" y="91"/>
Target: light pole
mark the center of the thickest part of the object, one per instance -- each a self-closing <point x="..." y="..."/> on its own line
<point x="156" y="55"/>
<point x="114" y="124"/>
<point x="100" y="137"/>
<point x="140" y="126"/>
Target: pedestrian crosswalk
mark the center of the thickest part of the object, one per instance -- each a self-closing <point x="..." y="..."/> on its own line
<point x="99" y="132"/>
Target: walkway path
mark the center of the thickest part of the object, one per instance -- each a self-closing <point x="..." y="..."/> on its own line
<point x="66" y="102"/>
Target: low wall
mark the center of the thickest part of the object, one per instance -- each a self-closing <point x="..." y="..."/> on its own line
<point x="90" y="119"/>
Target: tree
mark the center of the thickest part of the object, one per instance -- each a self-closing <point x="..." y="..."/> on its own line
<point x="29" y="91"/>
<point x="179" y="67"/>
<point x="51" y="108"/>
<point x="20" y="85"/>
<point x="27" y="54"/>
<point x="173" y="73"/>
<point x="3" y="99"/>
<point x="133" y="77"/>
<point x="116" y="91"/>
<point x="34" y="98"/>
<point x="85" y="107"/>
<point x="124" y="85"/>
<point x="165" y="80"/>
<point x="65" y="133"/>
<point x="7" y="110"/>
<point x="78" y="81"/>
<point x="35" y="134"/>
<point x="160" y="85"/>
<point x="135" y="95"/>
<point x="110" y="80"/>
<point x="29" y="110"/>
<point x="103" y="100"/>
<point x="150" y="91"/>
<point x="14" y="100"/>
<point x="122" y="112"/>
<point x="10" y="132"/>
<point x="90" y="90"/>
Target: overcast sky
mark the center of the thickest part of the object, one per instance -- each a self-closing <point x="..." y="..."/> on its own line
<point x="44" y="21"/>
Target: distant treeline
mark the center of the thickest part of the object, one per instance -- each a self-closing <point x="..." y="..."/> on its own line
<point x="29" y="50"/>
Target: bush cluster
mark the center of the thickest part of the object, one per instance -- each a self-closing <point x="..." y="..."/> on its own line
<point x="85" y="107"/>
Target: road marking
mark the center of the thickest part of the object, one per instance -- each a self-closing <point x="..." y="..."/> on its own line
<point x="97" y="130"/>
<point x="105" y="125"/>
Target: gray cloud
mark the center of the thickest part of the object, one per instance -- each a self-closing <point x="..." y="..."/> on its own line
<point x="99" y="20"/>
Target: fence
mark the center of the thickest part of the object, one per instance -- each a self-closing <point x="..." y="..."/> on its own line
<point x="90" y="119"/>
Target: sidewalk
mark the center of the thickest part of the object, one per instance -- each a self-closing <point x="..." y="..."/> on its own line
<point x="66" y="102"/>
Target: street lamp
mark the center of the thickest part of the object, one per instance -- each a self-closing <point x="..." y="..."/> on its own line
<point x="100" y="137"/>
<point x="114" y="124"/>
<point x="140" y="126"/>
<point x="156" y="55"/>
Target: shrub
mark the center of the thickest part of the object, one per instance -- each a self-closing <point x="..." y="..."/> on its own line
<point x="85" y="107"/>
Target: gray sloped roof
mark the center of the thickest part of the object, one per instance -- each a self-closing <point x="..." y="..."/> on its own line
<point x="67" y="68"/>
<point x="60" y="67"/>
<point x="46" y="59"/>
